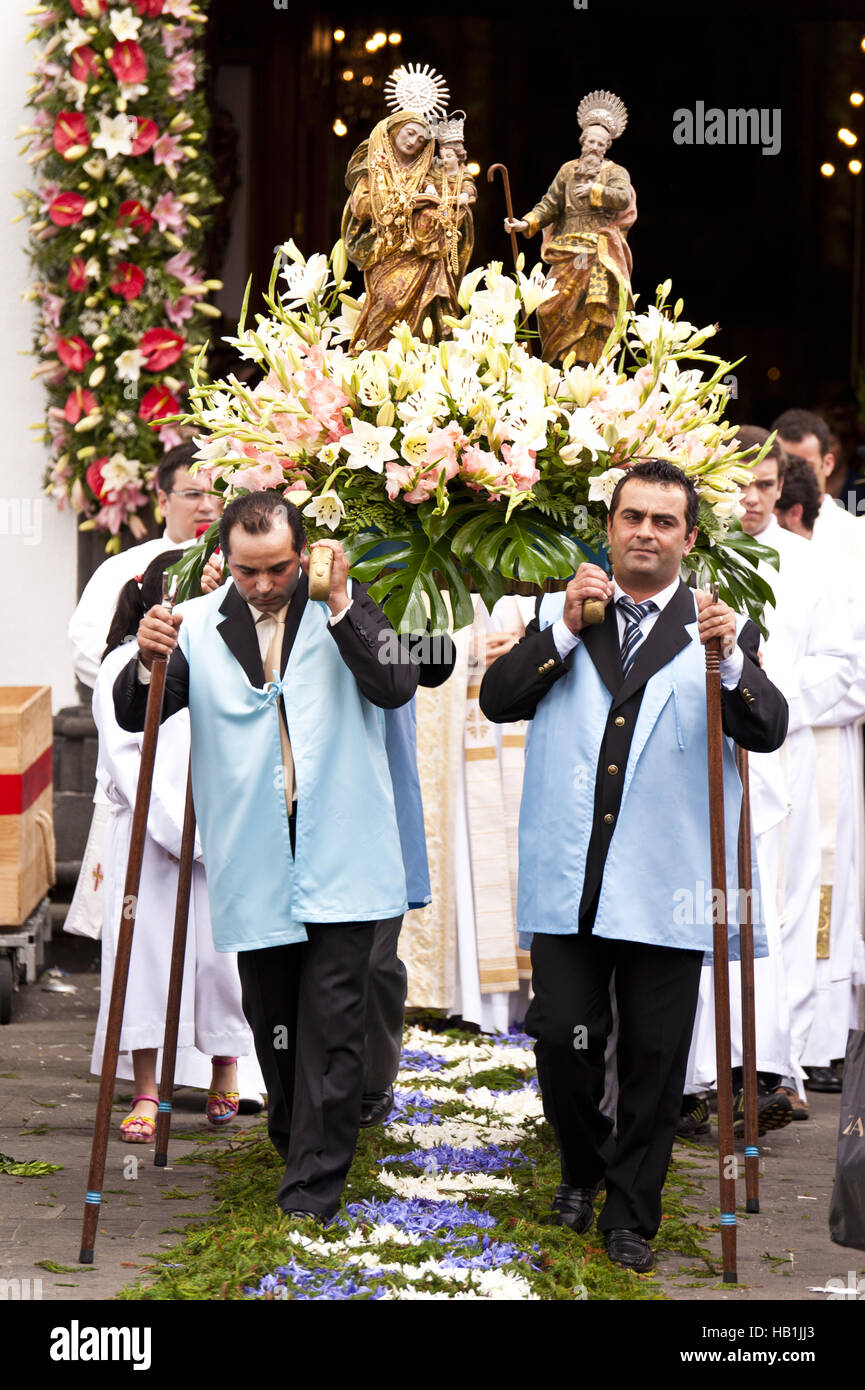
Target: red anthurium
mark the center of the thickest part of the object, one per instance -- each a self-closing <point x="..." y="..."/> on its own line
<point x="76" y="277"/>
<point x="128" y="280"/>
<point x="94" y="476"/>
<point x="79" y="8"/>
<point x="66" y="209"/>
<point x="79" y="402"/>
<point x="74" y="353"/>
<point x="128" y="62"/>
<point x="147" y="133"/>
<point x="134" y="214"/>
<point x="71" y="136"/>
<point x="149" y="9"/>
<point x="84" y="64"/>
<point x="161" y="347"/>
<point x="157" y="403"/>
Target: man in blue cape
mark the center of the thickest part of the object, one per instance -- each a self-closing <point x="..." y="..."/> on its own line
<point x="614" y="829"/>
<point x="295" y="808"/>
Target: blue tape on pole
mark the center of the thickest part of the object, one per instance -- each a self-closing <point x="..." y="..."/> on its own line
<point x="728" y="1218"/>
<point x="751" y="1151"/>
<point x="94" y="1198"/>
<point x="164" y="1107"/>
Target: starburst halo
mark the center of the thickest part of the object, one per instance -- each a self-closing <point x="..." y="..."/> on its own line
<point x="411" y="87"/>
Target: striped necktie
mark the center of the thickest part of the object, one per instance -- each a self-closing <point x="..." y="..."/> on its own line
<point x="632" y="637"/>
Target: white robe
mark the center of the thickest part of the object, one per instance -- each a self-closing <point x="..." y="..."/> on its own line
<point x="88" y="630"/>
<point x="807" y="656"/>
<point x="89" y="624"/>
<point x="839" y="540"/>
<point x="211" y="1018"/>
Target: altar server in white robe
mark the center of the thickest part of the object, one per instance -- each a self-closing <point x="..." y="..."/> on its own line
<point x="837" y="540"/>
<point x="186" y="506"/>
<point x="212" y="1024"/>
<point x="807" y="656"/>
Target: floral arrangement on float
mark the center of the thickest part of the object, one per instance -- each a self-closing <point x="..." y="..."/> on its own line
<point x="116" y="231"/>
<point x="469" y="463"/>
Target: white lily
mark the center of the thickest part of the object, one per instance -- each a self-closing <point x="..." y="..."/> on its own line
<point x="124" y="24"/>
<point x="74" y="35"/>
<point x="326" y="510"/>
<point x="601" y="489"/>
<point x="116" y="135"/>
<point x="306" y="281"/>
<point x="369" y="446"/>
<point x="373" y="378"/>
<point x="128" y="365"/>
<point x="119" y="471"/>
<point x="468" y="285"/>
<point x="210" y="451"/>
<point x="536" y="289"/>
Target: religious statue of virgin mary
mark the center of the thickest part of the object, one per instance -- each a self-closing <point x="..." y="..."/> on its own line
<point x="394" y="230"/>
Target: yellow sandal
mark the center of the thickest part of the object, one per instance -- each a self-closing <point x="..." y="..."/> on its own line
<point x="145" y="1136"/>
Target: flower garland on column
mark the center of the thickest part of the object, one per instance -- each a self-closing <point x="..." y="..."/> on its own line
<point x="117" y="224"/>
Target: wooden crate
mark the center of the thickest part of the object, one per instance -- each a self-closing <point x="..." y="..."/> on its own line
<point x="26" y="800"/>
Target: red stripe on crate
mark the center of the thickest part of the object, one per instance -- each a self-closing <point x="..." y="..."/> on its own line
<point x="18" y="790"/>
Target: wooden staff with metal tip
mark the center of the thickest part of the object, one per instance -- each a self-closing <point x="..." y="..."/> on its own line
<point x="175" y="978"/>
<point x="491" y="173"/>
<point x="749" y="1021"/>
<point x="99" y="1146"/>
<point x="721" y="972"/>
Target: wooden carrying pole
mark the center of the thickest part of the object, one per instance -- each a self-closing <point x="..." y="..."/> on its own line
<point x="749" y="1022"/>
<point x="726" y="1152"/>
<point x="175" y="978"/>
<point x="99" y="1147"/>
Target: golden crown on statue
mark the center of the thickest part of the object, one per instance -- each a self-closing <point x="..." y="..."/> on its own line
<point x="602" y="108"/>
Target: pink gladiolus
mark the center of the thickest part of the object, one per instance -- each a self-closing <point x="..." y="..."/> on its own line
<point x="167" y="150"/>
<point x="170" y="436"/>
<point x="182" y="74"/>
<point x="179" y="310"/>
<point x="52" y="307"/>
<point x="521" y="465"/>
<point x="174" y="37"/>
<point x="169" y="213"/>
<point x="399" y="476"/>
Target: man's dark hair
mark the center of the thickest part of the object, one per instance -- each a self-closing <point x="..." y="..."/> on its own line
<point x="795" y="424"/>
<point x="749" y="435"/>
<point x="800" y="485"/>
<point x="182" y="456"/>
<point x="255" y="512"/>
<point x="662" y="471"/>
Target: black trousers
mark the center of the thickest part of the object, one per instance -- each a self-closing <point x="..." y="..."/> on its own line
<point x="385" y="1010"/>
<point x="570" y="1017"/>
<point x="306" y="1006"/>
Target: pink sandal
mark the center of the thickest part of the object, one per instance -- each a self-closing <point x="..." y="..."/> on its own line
<point x="145" y="1136"/>
<point x="214" y="1098"/>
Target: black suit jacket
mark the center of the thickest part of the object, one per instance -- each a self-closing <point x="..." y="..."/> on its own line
<point x="755" y="713"/>
<point x="358" y="635"/>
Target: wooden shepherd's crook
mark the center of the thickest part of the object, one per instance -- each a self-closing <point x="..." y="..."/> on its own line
<point x="491" y="172"/>
<point x="749" y="1022"/>
<point x="99" y="1146"/>
<point x="726" y="1152"/>
<point x="175" y="978"/>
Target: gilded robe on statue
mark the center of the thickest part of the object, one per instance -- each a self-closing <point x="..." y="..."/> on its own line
<point x="588" y="254"/>
<point x="400" y="244"/>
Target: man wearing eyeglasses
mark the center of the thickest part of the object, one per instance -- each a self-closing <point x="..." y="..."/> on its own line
<point x="186" y="508"/>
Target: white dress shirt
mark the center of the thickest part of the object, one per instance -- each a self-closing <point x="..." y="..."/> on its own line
<point x="565" y="640"/>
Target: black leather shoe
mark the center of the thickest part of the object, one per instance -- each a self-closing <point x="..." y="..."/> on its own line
<point x="574" y="1207"/>
<point x="376" y="1107"/>
<point x="822" y="1079"/>
<point x="629" y="1250"/>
